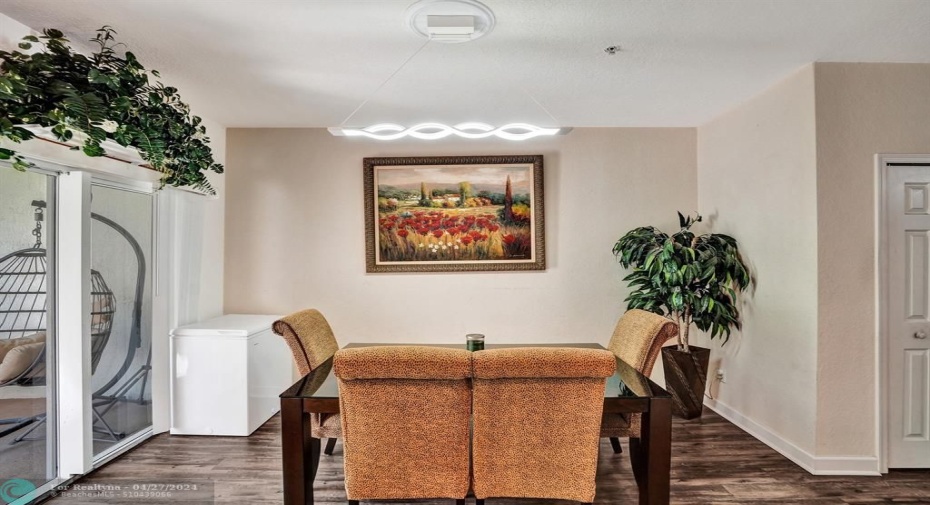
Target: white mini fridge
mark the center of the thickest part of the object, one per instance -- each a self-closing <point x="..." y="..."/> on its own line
<point x="226" y="375"/>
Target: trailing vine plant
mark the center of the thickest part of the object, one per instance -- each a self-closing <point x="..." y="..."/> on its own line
<point x="104" y="95"/>
<point x="690" y="278"/>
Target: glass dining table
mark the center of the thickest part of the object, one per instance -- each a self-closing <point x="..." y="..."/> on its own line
<point x="627" y="391"/>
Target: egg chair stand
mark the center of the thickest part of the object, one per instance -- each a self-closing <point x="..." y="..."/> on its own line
<point x="118" y="387"/>
<point x="23" y="306"/>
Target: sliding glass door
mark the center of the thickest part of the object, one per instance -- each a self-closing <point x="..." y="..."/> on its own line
<point x="27" y="344"/>
<point x="121" y="315"/>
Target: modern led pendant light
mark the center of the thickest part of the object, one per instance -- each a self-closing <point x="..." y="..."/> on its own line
<point x="448" y="22"/>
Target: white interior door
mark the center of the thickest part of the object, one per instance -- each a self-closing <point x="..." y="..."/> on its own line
<point x="908" y="303"/>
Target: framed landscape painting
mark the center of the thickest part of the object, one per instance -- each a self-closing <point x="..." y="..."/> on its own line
<point x="454" y="214"/>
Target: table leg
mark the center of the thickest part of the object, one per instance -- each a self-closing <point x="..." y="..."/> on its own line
<point x="637" y="461"/>
<point x="300" y="453"/>
<point x="656" y="453"/>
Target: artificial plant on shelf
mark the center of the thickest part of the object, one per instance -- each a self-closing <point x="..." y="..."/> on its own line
<point x="103" y="95"/>
<point x="694" y="280"/>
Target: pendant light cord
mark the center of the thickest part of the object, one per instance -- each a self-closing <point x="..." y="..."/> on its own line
<point x="523" y="88"/>
<point x="412" y="56"/>
<point x="383" y="83"/>
<point x="555" y="122"/>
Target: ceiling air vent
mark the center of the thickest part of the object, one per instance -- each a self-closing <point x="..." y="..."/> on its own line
<point x="450" y="21"/>
<point x="450" y="28"/>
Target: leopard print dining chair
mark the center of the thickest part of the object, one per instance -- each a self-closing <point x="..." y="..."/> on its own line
<point x="637" y="340"/>
<point x="405" y="422"/>
<point x="537" y="417"/>
<point x="312" y="342"/>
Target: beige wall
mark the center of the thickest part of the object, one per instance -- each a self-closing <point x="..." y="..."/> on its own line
<point x="791" y="174"/>
<point x="862" y="110"/>
<point x="213" y="212"/>
<point x="757" y="182"/>
<point x="295" y="235"/>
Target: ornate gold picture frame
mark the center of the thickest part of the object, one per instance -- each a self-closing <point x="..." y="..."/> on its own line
<point x="454" y="214"/>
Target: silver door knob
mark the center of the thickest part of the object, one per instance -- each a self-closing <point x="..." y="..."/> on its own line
<point x="920" y="334"/>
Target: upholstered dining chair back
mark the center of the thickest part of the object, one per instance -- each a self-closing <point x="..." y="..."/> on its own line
<point x="405" y="421"/>
<point x="537" y="416"/>
<point x="639" y="336"/>
<point x="309" y="336"/>
<point x="637" y="340"/>
<point x="312" y="342"/>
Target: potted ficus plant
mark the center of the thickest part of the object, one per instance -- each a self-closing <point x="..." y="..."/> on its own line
<point x="106" y="96"/>
<point x="694" y="280"/>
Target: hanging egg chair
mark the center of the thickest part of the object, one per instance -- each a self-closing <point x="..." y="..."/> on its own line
<point x="23" y="316"/>
<point x="23" y="322"/>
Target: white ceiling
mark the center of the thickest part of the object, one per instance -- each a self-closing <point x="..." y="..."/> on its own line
<point x="293" y="63"/>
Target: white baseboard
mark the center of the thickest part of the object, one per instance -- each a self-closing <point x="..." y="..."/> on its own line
<point x="815" y="465"/>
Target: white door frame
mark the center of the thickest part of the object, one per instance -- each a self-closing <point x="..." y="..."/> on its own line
<point x="882" y="162"/>
<point x="75" y="443"/>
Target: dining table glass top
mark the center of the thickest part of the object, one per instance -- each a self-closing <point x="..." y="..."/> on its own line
<point x="626" y="382"/>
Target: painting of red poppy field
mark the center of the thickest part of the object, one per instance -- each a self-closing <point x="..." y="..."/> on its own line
<point x="454" y="213"/>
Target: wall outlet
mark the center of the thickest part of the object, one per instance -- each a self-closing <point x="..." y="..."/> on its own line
<point x="721" y="375"/>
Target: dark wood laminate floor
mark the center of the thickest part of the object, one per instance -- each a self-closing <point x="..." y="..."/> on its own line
<point x="713" y="462"/>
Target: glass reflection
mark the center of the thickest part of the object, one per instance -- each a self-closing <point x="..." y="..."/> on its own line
<point x="121" y="242"/>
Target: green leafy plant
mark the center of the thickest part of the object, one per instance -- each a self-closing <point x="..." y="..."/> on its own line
<point x="103" y="95"/>
<point x="690" y="278"/>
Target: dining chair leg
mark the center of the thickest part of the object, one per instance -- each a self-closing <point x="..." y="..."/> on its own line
<point x="479" y="502"/>
<point x="330" y="446"/>
<point x="353" y="502"/>
<point x="614" y="442"/>
<point x="459" y="502"/>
